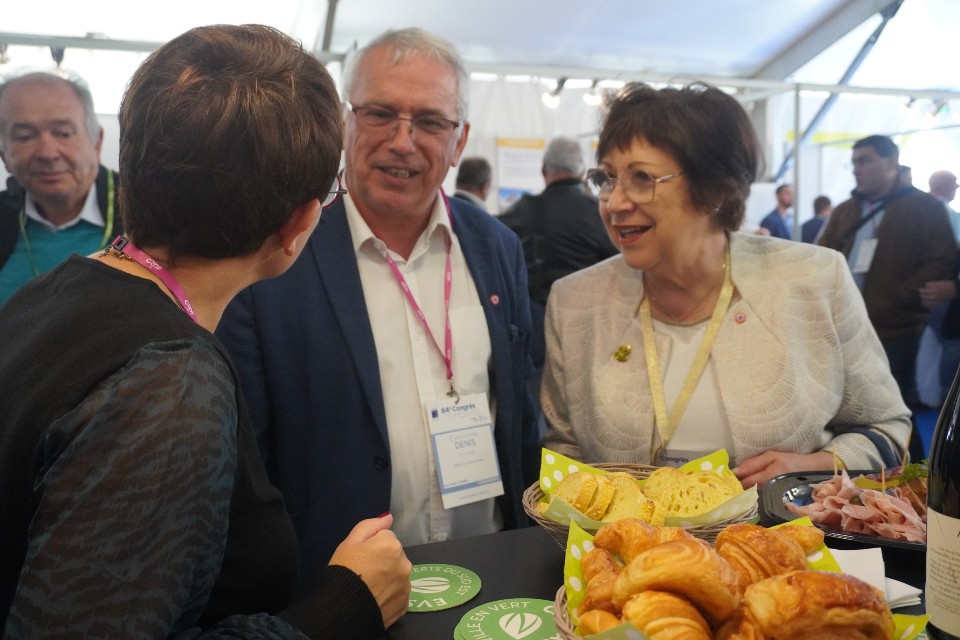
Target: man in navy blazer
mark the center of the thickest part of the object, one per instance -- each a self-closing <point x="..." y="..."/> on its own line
<point x="337" y="365"/>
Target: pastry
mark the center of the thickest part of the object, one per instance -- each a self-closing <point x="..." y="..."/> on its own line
<point x="756" y="553"/>
<point x="809" y="538"/>
<point x="689" y="568"/>
<point x="664" y="616"/>
<point x="631" y="537"/>
<point x="811" y="605"/>
<point x="596" y="621"/>
<point x="600" y="571"/>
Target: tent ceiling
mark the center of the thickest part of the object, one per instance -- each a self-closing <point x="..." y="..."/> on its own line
<point x="731" y="38"/>
<point x="713" y="37"/>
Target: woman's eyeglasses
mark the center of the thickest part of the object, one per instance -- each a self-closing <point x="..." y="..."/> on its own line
<point x="639" y="186"/>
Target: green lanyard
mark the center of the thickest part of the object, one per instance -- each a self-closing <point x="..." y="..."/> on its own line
<point x="107" y="227"/>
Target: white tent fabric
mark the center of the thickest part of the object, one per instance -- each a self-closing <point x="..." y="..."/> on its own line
<point x="521" y="48"/>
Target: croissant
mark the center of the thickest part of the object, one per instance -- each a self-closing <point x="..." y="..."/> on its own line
<point x="809" y="538"/>
<point x="630" y="537"/>
<point x="596" y="621"/>
<point x="756" y="553"/>
<point x="600" y="571"/>
<point x="689" y="568"/>
<point x="811" y="605"/>
<point x="665" y="616"/>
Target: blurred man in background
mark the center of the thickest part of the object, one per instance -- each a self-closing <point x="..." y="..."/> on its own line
<point x="59" y="200"/>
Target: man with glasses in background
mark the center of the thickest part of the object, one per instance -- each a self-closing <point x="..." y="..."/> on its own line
<point x="896" y="238"/>
<point x="386" y="371"/>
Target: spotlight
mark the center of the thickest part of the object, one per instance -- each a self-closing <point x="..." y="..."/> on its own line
<point x="552" y="98"/>
<point x="593" y="97"/>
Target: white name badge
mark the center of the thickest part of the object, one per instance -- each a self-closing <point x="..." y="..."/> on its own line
<point x="863" y="255"/>
<point x="677" y="457"/>
<point x="464" y="451"/>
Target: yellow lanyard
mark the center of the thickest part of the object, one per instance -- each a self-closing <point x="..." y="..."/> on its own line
<point x="667" y="424"/>
<point x="108" y="223"/>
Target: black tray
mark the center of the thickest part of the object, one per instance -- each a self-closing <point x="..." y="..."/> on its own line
<point x="795" y="488"/>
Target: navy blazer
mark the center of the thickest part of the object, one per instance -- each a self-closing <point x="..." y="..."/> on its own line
<point x="777" y="226"/>
<point x="308" y="366"/>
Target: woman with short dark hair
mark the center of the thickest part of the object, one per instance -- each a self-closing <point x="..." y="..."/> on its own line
<point x="697" y="338"/>
<point x="133" y="501"/>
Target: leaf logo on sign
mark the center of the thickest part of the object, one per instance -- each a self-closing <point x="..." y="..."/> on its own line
<point x="520" y="625"/>
<point x="436" y="584"/>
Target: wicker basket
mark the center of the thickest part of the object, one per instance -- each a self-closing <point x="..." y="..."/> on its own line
<point x="561" y="617"/>
<point x="708" y="532"/>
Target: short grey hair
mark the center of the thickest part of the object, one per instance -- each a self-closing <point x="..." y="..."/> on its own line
<point x="406" y="42"/>
<point x="563" y="155"/>
<point x="72" y="80"/>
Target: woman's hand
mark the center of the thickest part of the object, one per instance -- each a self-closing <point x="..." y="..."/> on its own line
<point x="758" y="469"/>
<point x="373" y="552"/>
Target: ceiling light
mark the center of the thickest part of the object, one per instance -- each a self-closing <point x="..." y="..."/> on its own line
<point x="593" y="97"/>
<point x="551" y="99"/>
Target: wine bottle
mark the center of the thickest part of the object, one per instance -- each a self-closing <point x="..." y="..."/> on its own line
<point x="943" y="522"/>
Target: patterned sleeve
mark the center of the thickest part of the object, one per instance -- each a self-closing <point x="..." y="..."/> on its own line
<point x="133" y="505"/>
<point x="560" y="436"/>
<point x="870" y="393"/>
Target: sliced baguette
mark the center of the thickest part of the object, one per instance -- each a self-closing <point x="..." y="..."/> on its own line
<point x="606" y="489"/>
<point x="577" y="489"/>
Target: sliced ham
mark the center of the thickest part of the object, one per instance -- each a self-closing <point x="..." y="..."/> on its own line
<point x="839" y="504"/>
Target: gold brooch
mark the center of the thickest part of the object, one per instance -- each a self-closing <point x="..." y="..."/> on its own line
<point x="622" y="354"/>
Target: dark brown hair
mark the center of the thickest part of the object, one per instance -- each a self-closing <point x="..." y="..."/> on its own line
<point x="704" y="129"/>
<point x="224" y="131"/>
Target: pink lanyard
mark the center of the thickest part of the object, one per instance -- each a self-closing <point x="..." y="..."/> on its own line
<point x="130" y="251"/>
<point x="447" y="352"/>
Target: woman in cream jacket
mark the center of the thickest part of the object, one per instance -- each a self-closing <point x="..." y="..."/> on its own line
<point x="766" y="343"/>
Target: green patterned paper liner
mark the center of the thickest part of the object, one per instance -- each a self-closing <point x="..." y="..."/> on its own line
<point x="580" y="542"/>
<point x="554" y="467"/>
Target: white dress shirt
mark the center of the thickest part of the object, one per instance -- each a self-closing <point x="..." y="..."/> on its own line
<point x="89" y="213"/>
<point x="412" y="370"/>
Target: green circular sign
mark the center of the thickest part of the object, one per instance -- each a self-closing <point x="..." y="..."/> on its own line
<point x="511" y="619"/>
<point x="434" y="587"/>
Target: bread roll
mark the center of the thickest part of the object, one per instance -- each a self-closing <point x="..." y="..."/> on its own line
<point x="664" y="616"/>
<point x="596" y="621"/>
<point x="811" y="605"/>
<point x="756" y="553"/>
<point x="631" y="537"/>
<point x="685" y="494"/>
<point x="600" y="571"/>
<point x="689" y="568"/>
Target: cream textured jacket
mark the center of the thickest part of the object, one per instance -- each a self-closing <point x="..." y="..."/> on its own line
<point x="795" y="355"/>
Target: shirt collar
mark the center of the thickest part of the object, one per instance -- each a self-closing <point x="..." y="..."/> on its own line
<point x="89" y="213"/>
<point x="362" y="236"/>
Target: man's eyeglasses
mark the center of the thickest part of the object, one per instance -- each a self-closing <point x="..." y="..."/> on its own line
<point x="336" y="190"/>
<point x="377" y="117"/>
<point x="639" y="186"/>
